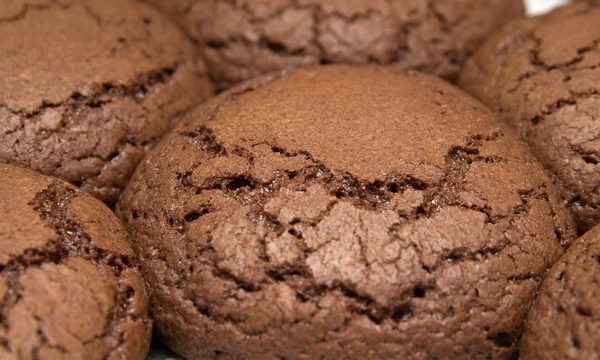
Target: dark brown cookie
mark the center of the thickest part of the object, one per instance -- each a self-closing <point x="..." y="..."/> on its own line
<point x="68" y="289"/>
<point x="541" y="75"/>
<point x="564" y="322"/>
<point x="241" y="39"/>
<point x="343" y="213"/>
<point x="87" y="86"/>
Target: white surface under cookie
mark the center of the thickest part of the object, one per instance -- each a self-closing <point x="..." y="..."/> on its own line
<point x="537" y="7"/>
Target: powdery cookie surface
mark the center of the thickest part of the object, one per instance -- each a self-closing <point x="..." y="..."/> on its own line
<point x="541" y="75"/>
<point x="341" y="213"/>
<point x="86" y="87"/>
<point x="564" y="323"/>
<point x="241" y="39"/>
<point x="68" y="289"/>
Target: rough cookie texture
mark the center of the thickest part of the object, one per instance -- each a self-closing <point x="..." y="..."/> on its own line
<point x="241" y="39"/>
<point x="542" y="76"/>
<point x="87" y="86"/>
<point x="68" y="289"/>
<point x="343" y="213"/>
<point x="564" y="322"/>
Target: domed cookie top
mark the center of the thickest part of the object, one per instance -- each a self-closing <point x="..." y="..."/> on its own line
<point x="245" y="38"/>
<point x="564" y="323"/>
<point x="87" y="86"/>
<point x="68" y="288"/>
<point x="343" y="212"/>
<point x="541" y="76"/>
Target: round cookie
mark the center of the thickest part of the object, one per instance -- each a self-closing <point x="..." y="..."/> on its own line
<point x="68" y="287"/>
<point x="87" y="86"/>
<point x="245" y="38"/>
<point x="564" y="322"/>
<point x="343" y="213"/>
<point x="541" y="76"/>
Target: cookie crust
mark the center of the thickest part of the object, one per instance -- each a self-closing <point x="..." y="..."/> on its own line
<point x="564" y="323"/>
<point x="87" y="87"/>
<point x="541" y="76"/>
<point x="247" y="38"/>
<point x="343" y="212"/>
<point x="68" y="286"/>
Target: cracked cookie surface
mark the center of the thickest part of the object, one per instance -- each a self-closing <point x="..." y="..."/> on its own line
<point x="564" y="322"/>
<point x="541" y="75"/>
<point x="241" y="39"/>
<point x="68" y="287"/>
<point x="86" y="87"/>
<point x="343" y="213"/>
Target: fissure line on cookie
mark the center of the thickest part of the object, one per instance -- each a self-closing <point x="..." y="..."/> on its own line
<point x="52" y="205"/>
<point x="26" y="8"/>
<point x="106" y="93"/>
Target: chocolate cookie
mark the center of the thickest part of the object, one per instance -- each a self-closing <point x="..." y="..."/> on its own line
<point x="68" y="289"/>
<point x="86" y="87"/>
<point x="343" y="213"/>
<point x="564" y="322"/>
<point x="244" y="38"/>
<point x="541" y="75"/>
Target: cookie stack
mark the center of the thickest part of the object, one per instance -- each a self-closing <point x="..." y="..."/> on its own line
<point x="303" y="179"/>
